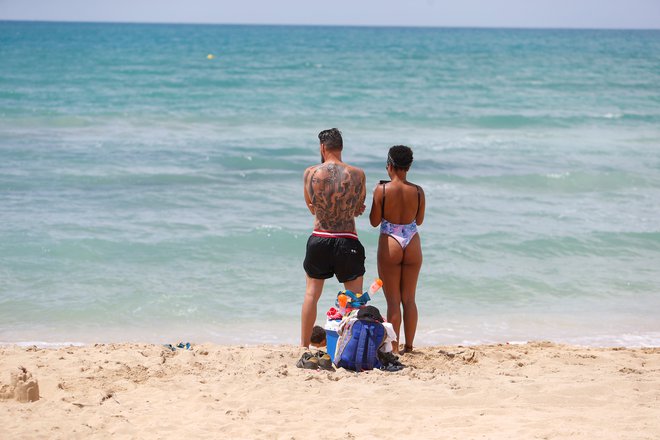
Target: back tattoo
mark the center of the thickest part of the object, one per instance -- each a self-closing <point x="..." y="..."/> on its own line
<point x="335" y="194"/>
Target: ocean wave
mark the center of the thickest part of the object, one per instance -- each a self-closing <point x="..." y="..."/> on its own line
<point x="598" y="244"/>
<point x="566" y="182"/>
<point x="520" y="121"/>
<point x="197" y="122"/>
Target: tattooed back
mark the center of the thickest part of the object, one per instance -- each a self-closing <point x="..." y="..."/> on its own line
<point x="336" y="192"/>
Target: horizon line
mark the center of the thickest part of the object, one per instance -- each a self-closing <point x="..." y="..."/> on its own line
<point x="408" y="26"/>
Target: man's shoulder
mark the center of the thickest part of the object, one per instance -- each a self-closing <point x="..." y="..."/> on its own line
<point x="354" y="169"/>
<point x="311" y="168"/>
<point x="350" y="169"/>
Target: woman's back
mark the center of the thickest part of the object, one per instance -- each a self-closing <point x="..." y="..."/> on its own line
<point x="400" y="202"/>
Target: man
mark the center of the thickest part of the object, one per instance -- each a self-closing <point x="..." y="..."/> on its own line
<point x="334" y="193"/>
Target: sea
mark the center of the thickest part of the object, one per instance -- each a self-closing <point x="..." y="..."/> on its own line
<point x="151" y="178"/>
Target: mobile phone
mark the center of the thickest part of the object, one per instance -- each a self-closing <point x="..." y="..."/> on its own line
<point x="384" y="181"/>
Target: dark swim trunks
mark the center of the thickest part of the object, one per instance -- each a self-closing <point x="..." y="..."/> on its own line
<point x="328" y="256"/>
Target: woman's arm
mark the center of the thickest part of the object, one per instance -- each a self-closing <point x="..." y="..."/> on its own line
<point x="376" y="203"/>
<point x="422" y="207"/>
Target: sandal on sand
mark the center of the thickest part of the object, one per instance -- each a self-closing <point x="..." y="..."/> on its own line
<point x="308" y="361"/>
<point x="392" y="368"/>
<point x="390" y="362"/>
<point x="325" y="363"/>
<point x="181" y="345"/>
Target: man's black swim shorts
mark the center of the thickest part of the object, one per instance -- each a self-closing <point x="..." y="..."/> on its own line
<point x="340" y="256"/>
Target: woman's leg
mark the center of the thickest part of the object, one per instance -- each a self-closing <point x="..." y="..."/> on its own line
<point x="390" y="256"/>
<point x="412" y="262"/>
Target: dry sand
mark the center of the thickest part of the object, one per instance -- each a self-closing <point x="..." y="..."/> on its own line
<point x="532" y="391"/>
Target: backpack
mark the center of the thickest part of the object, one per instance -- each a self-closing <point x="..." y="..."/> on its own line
<point x="357" y="348"/>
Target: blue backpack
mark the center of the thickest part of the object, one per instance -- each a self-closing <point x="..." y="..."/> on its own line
<point x="357" y="348"/>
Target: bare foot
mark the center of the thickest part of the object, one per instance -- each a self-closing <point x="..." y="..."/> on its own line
<point x="406" y="349"/>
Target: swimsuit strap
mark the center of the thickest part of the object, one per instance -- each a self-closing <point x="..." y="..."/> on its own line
<point x="382" y="206"/>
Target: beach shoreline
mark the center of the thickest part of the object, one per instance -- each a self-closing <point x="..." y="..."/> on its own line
<point x="531" y="390"/>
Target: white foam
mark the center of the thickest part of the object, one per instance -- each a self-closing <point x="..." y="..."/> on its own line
<point x="557" y="175"/>
<point x="630" y="340"/>
<point x="43" y="344"/>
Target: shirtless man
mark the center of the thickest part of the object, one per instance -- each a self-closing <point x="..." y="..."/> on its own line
<point x="334" y="193"/>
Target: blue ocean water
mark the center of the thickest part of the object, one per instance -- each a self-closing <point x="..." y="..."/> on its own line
<point x="149" y="193"/>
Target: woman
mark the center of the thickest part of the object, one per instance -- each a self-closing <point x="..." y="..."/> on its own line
<point x="398" y="206"/>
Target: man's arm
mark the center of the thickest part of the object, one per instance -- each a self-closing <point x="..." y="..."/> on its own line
<point x="362" y="194"/>
<point x="308" y="199"/>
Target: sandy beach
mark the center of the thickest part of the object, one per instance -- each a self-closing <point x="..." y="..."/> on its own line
<point x="538" y="390"/>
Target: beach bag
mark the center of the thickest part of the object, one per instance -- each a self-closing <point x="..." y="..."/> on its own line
<point x="357" y="348"/>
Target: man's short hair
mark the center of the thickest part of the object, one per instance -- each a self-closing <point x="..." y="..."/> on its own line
<point x="331" y="138"/>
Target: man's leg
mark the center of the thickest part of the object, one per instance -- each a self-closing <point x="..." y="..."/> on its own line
<point x="312" y="294"/>
<point x="355" y="285"/>
<point x="350" y="264"/>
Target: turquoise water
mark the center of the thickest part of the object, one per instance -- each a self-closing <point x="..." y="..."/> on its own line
<point x="149" y="193"/>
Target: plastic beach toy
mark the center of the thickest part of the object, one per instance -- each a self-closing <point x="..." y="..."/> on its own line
<point x="342" y="299"/>
<point x="377" y="284"/>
